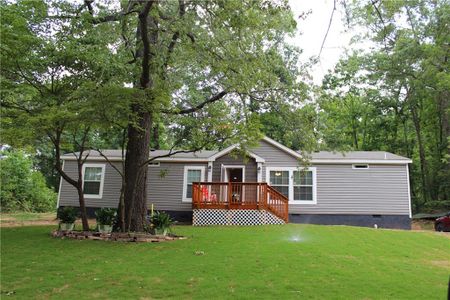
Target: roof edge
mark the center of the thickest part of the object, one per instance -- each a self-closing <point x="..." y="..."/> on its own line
<point x="282" y="147"/>
<point x="231" y="148"/>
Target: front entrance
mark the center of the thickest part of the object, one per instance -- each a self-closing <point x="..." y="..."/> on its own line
<point x="234" y="174"/>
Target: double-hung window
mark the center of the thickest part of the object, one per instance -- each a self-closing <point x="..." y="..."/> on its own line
<point x="297" y="184"/>
<point x="303" y="185"/>
<point x="191" y="174"/>
<point x="279" y="180"/>
<point x="93" y="178"/>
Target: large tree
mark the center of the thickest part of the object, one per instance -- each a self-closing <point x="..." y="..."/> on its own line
<point x="187" y="56"/>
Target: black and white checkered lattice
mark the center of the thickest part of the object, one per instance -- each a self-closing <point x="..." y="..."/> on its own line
<point x="239" y="217"/>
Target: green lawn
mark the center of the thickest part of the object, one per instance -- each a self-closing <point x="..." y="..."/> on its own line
<point x="292" y="261"/>
<point x="26" y="216"/>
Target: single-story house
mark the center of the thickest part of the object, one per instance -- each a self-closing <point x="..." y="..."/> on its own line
<point x="268" y="186"/>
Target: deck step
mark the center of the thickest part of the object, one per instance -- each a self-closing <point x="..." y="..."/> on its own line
<point x="237" y="217"/>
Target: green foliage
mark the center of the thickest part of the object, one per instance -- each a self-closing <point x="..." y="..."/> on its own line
<point x="394" y="97"/>
<point x="106" y="216"/>
<point x="161" y="220"/>
<point x="22" y="187"/>
<point x="437" y="206"/>
<point x="67" y="214"/>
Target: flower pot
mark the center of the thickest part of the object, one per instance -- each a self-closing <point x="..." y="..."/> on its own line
<point x="66" y="226"/>
<point x="104" y="228"/>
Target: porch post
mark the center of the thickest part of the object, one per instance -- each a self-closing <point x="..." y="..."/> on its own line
<point x="229" y="194"/>
<point x="210" y="170"/>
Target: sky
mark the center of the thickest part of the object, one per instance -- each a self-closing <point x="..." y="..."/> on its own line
<point x="312" y="31"/>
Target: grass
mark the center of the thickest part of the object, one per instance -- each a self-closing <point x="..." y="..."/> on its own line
<point x="282" y="262"/>
<point x="25" y="218"/>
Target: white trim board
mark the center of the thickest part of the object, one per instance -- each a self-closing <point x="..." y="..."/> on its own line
<point x="102" y="181"/>
<point x="282" y="147"/>
<point x="231" y="148"/>
<point x="361" y="161"/>
<point x="409" y="191"/>
<point x="164" y="159"/>
<point x="202" y="178"/>
<point x="314" y="161"/>
<point x="60" y="186"/>
<point x="225" y="167"/>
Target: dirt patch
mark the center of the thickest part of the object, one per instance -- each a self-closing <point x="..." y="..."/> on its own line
<point x="440" y="263"/>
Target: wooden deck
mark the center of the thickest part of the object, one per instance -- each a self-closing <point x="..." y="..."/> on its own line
<point x="239" y="195"/>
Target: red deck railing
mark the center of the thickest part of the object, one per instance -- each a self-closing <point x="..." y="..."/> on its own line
<point x="240" y="195"/>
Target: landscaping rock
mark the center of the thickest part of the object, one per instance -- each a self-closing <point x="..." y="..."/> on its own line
<point x="138" y="237"/>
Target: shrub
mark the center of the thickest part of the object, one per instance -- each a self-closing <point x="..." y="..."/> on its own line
<point x="161" y="221"/>
<point x="67" y="214"/>
<point x="106" y="216"/>
<point x="22" y="187"/>
<point x="436" y="205"/>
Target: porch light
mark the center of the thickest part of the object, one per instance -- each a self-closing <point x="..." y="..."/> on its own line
<point x="277" y="173"/>
<point x="259" y="169"/>
<point x="209" y="168"/>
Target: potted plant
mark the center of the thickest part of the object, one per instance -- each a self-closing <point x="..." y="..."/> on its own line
<point x="161" y="222"/>
<point x="105" y="219"/>
<point x="67" y="216"/>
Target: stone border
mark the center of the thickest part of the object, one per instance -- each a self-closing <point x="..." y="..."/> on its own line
<point x="139" y="237"/>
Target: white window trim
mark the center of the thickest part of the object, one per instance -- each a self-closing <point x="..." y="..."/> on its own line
<point x="224" y="173"/>
<point x="202" y="178"/>
<point x="291" y="182"/>
<point x="355" y="168"/>
<point x="102" y="181"/>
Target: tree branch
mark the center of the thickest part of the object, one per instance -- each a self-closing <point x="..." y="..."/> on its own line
<point x="328" y="29"/>
<point x="143" y="26"/>
<point x="213" y="99"/>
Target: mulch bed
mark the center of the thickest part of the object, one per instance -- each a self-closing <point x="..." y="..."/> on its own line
<point x="137" y="237"/>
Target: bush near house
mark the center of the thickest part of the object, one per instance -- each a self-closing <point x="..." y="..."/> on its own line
<point x="22" y="187"/>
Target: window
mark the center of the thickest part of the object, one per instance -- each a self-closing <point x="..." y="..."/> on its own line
<point x="299" y="185"/>
<point x="360" y="166"/>
<point x="280" y="181"/>
<point x="93" y="176"/>
<point x="191" y="174"/>
<point x="303" y="186"/>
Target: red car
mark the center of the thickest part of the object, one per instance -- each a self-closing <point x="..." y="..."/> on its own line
<point x="442" y="223"/>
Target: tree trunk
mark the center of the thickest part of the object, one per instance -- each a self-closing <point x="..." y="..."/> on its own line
<point x="423" y="162"/>
<point x="140" y="125"/>
<point x="135" y="196"/>
<point x="83" y="213"/>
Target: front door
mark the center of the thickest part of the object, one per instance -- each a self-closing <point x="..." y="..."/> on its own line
<point x="235" y="175"/>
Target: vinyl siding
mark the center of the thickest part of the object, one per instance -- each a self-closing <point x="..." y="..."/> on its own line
<point x="111" y="186"/>
<point x="227" y="159"/>
<point x="166" y="192"/>
<point x="381" y="189"/>
<point x="274" y="157"/>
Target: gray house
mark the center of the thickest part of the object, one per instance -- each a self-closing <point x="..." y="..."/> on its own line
<point x="268" y="186"/>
